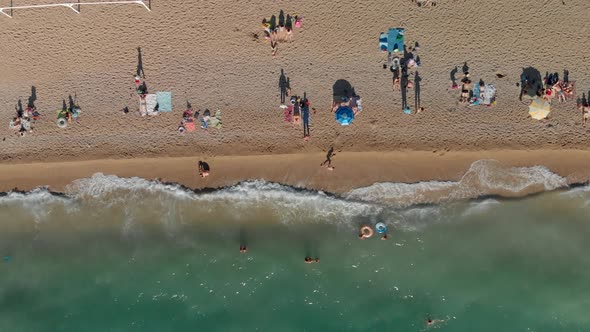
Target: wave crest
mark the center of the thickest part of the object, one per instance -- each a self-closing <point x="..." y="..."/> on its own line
<point x="484" y="178"/>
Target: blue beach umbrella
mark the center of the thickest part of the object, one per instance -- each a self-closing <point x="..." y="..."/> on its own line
<point x="344" y="115"/>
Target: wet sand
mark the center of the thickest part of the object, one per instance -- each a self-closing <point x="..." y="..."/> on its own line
<point x="352" y="169"/>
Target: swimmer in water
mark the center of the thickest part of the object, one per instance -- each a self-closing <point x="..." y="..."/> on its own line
<point x="361" y="236"/>
<point x="308" y="260"/>
<point x="432" y="322"/>
<point x="384" y="237"/>
<point x="243" y="249"/>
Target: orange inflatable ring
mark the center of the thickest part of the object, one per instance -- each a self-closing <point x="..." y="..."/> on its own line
<point x="366" y="232"/>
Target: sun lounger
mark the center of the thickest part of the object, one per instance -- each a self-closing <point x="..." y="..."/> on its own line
<point x="164" y="100"/>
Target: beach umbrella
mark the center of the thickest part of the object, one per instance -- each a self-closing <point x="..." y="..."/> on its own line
<point x="539" y="109"/>
<point x="344" y="115"/>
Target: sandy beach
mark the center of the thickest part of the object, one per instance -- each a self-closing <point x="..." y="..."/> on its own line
<point x="204" y="53"/>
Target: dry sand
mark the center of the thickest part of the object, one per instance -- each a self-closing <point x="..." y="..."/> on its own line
<point x="203" y="52"/>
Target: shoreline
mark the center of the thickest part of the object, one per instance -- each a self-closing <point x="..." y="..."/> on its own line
<point x="352" y="169"/>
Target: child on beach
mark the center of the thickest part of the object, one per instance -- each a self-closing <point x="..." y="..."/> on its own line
<point x="203" y="169"/>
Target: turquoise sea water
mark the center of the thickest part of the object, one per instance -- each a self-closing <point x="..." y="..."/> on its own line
<point x="133" y="255"/>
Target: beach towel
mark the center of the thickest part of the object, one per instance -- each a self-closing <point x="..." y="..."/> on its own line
<point x="296" y="114"/>
<point x="164" y="101"/>
<point x="151" y="102"/>
<point x="288" y="114"/>
<point x="217" y="122"/>
<point x="383" y="42"/>
<point x="214" y="122"/>
<point x="489" y="95"/>
<point x="395" y="40"/>
<point x="142" y="107"/>
<point x="476" y="91"/>
<point x="189" y="126"/>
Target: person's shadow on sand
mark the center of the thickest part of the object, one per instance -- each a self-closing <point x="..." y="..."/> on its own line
<point x="465" y="68"/>
<point x="32" y="97"/>
<point x="417" y="80"/>
<point x="453" y="77"/>
<point x="283" y="86"/>
<point x="140" y="71"/>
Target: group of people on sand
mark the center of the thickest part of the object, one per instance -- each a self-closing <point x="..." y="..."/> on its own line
<point x="24" y="119"/>
<point x="554" y="87"/>
<point x="355" y="103"/>
<point x="68" y="113"/>
<point x="297" y="112"/>
<point x="474" y="94"/>
<point x="401" y="67"/>
<point x="205" y="120"/>
<point x="281" y="31"/>
<point x="551" y="86"/>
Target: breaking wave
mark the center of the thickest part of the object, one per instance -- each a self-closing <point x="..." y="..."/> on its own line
<point x="400" y="205"/>
<point x="484" y="178"/>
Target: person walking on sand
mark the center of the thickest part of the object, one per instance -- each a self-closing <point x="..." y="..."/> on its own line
<point x="328" y="162"/>
<point x="305" y="116"/>
<point x="329" y="156"/>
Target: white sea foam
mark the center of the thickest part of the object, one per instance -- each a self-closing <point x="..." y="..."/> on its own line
<point x="141" y="199"/>
<point x="38" y="202"/>
<point x="287" y="202"/>
<point x="581" y="193"/>
<point x="484" y="177"/>
<point x="480" y="207"/>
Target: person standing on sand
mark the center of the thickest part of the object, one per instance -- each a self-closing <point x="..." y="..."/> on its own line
<point x="305" y="116"/>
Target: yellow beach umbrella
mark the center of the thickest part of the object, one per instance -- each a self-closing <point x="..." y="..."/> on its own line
<point x="539" y="109"/>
